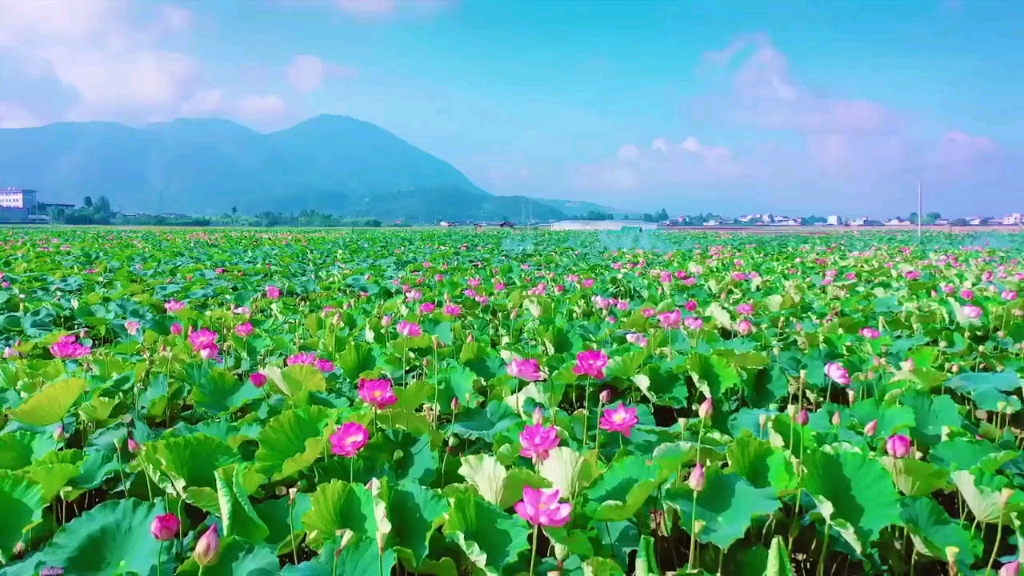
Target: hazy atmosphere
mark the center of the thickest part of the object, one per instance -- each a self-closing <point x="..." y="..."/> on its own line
<point x="832" y="107"/>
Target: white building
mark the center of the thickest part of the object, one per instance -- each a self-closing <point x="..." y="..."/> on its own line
<point x="897" y="222"/>
<point x="1013" y="219"/>
<point x="16" y="205"/>
<point x="602" y="225"/>
<point x="834" y="220"/>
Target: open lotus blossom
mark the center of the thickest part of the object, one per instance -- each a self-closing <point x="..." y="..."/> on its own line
<point x="620" y="419"/>
<point x="693" y="323"/>
<point x="647" y="312"/>
<point x="745" y="308"/>
<point x="204" y="343"/>
<point x="637" y="339"/>
<point x="132" y="327"/>
<point x="537" y="440"/>
<point x="11" y="353"/>
<point x="898" y="446"/>
<point x="349" y="439"/>
<point x="526" y="369"/>
<point x="409" y="329"/>
<point x="1010" y="569"/>
<point x="837" y="373"/>
<point x="427" y="307"/>
<point x="590" y="363"/>
<point x="967" y="294"/>
<point x="377" y="393"/>
<point x="691" y="305"/>
<point x="452" y="310"/>
<point x="176" y="329"/>
<point x="244" y="329"/>
<point x="307" y="358"/>
<point x="172" y="306"/>
<point x="325" y="366"/>
<point x="670" y="320"/>
<point x="1008" y="295"/>
<point x="971" y="312"/>
<point x="258" y="380"/>
<point x="273" y="292"/>
<point x="869" y="333"/>
<point x="165" y="527"/>
<point x="68" y="348"/>
<point x="541" y="507"/>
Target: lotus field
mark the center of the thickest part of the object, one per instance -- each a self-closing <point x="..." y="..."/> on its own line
<point x="319" y="403"/>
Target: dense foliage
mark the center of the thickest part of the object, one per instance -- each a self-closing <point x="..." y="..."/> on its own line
<point x="451" y="402"/>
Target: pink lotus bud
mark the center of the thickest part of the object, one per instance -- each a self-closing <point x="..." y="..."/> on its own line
<point x="898" y="446"/>
<point x="165" y="527"/>
<point x="802" y="418"/>
<point x="208" y="547"/>
<point x="869" y="430"/>
<point x="706" y="408"/>
<point x="836" y="419"/>
<point x="606" y="396"/>
<point x="696" y="479"/>
<point x="58" y="433"/>
<point x="538" y="415"/>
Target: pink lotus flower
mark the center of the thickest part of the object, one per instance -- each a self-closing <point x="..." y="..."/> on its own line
<point x="690" y="305"/>
<point x="693" y="323"/>
<point x="172" y="306"/>
<point x="619" y="419"/>
<point x="11" y="353"/>
<point x="540" y="507"/>
<point x="637" y="339"/>
<point x="258" y="380"/>
<point x="648" y="312"/>
<point x="967" y="294"/>
<point x="1010" y="569"/>
<point x="349" y="439"/>
<point x="706" y="408"/>
<point x="307" y="358"/>
<point x="165" y="527"/>
<point x="413" y="295"/>
<point x="208" y="547"/>
<point x="525" y="369"/>
<point x="591" y="363"/>
<point x="898" y="446"/>
<point x="947" y="288"/>
<point x="452" y="310"/>
<point x="870" y="428"/>
<point x="745" y="308"/>
<point x="912" y="275"/>
<point x="670" y="320"/>
<point x="273" y="292"/>
<point x="837" y="373"/>
<point x="971" y="312"/>
<point x="133" y="446"/>
<point x="132" y="327"/>
<point x="67" y="348"/>
<point x="1008" y="295"/>
<point x="744" y="327"/>
<point x="537" y="440"/>
<point x="377" y="393"/>
<point x="325" y="366"/>
<point x="869" y="333"/>
<point x="386" y="321"/>
<point x="244" y="329"/>
<point x="176" y="329"/>
<point x="409" y="329"/>
<point x="427" y="307"/>
<point x="697" y="478"/>
<point x="204" y="343"/>
<point x="802" y="417"/>
<point x="499" y="286"/>
<point x="587" y="282"/>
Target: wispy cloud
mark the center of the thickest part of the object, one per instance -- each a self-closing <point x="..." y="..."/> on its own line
<point x="853" y="151"/>
<point x="307" y="73"/>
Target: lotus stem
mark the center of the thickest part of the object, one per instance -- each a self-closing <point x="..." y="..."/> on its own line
<point x="995" y="546"/>
<point x="693" y="533"/>
<point x="533" y="554"/>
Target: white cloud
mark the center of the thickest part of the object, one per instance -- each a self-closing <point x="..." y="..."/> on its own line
<point x="261" y="106"/>
<point x="12" y="115"/>
<point x="307" y="73"/>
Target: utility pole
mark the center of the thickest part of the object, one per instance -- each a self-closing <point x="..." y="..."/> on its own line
<point x="920" y="215"/>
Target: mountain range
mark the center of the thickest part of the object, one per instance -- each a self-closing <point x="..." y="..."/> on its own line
<point x="329" y="163"/>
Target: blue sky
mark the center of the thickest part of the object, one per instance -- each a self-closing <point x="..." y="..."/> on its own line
<point x="722" y="106"/>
